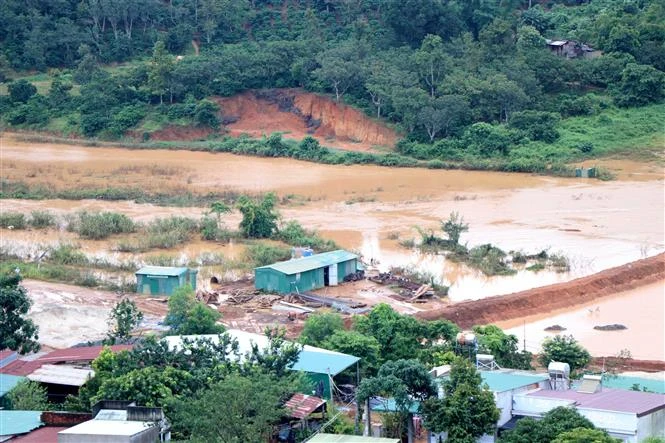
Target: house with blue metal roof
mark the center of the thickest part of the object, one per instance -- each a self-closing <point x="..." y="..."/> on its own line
<point x="163" y="280"/>
<point x="14" y="423"/>
<point x="8" y="382"/>
<point x="306" y="273"/>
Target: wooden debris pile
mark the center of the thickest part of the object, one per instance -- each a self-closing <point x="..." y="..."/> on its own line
<point x="412" y="291"/>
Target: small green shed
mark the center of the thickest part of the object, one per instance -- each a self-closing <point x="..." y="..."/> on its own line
<point x="306" y="273"/>
<point x="163" y="280"/>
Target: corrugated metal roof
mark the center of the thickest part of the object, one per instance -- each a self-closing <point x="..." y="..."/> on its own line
<point x="302" y="405"/>
<point x="311" y="359"/>
<point x="109" y="427"/>
<point x="338" y="438"/>
<point x="18" y="422"/>
<point x="316" y="261"/>
<point x="47" y="434"/>
<point x="112" y="414"/>
<point x="507" y="381"/>
<point x="82" y="354"/>
<point x="380" y="404"/>
<point x="168" y="271"/>
<point x="62" y="375"/>
<point x="7" y="356"/>
<point x="7" y="383"/>
<point x="617" y="400"/>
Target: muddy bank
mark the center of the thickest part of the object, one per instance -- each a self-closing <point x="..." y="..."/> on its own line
<point x="559" y="296"/>
<point x="627" y="364"/>
<point x="298" y="114"/>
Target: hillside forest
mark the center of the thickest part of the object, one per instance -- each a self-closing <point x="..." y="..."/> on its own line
<point x="468" y="83"/>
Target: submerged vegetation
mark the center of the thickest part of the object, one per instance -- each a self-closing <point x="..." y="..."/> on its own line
<point x="487" y="258"/>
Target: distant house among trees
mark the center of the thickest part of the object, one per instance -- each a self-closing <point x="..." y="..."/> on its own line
<point x="572" y="49"/>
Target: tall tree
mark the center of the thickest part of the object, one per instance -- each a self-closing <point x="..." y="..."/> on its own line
<point x="431" y="60"/>
<point x="467" y="409"/>
<point x="123" y="319"/>
<point x="17" y="332"/>
<point x="320" y="326"/>
<point x="259" y="218"/>
<point x="564" y="348"/>
<point x="161" y="70"/>
<point x="340" y="67"/>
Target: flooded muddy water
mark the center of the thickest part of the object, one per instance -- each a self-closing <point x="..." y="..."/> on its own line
<point x="370" y="209"/>
<point x="640" y="310"/>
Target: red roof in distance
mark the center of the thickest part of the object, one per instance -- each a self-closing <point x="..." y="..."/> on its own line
<point x="83" y="354"/>
<point x="47" y="434"/>
<point x="302" y="405"/>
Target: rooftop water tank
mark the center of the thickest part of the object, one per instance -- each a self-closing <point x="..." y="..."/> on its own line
<point x="466" y="338"/>
<point x="559" y="368"/>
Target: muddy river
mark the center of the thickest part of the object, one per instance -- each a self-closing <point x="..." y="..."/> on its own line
<point x="597" y="225"/>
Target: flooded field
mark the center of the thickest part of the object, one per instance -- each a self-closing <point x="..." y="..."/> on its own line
<point x="369" y="209"/>
<point x="640" y="310"/>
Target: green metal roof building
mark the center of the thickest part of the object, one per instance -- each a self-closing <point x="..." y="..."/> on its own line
<point x="306" y="273"/>
<point x="163" y="280"/>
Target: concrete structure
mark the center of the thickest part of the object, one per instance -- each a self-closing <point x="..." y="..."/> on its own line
<point x="119" y="422"/>
<point x="306" y="273"/>
<point x="163" y="280"/>
<point x="628" y="415"/>
<point x="320" y="365"/>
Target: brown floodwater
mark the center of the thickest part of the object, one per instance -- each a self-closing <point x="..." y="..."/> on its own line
<point x="640" y="310"/>
<point x="596" y="225"/>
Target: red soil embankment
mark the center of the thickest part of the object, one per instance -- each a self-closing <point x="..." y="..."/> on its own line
<point x="550" y="298"/>
<point x="299" y="114"/>
<point x="626" y="364"/>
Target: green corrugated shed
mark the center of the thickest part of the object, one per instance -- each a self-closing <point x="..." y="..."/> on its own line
<point x="163" y="280"/>
<point x="306" y="273"/>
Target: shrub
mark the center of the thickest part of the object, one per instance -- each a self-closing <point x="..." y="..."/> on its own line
<point x="13" y="220"/>
<point x="260" y="254"/>
<point x="67" y="254"/>
<point x="42" y="219"/>
<point x="21" y="91"/>
<point x="97" y="226"/>
<point x="169" y="232"/>
<point x="537" y="125"/>
<point x="295" y="235"/>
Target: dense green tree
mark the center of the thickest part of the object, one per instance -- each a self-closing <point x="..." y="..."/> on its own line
<point x="554" y="423"/>
<point x="537" y="125"/>
<point x="340" y="67"/>
<point x="431" y="61"/>
<point x="354" y="343"/>
<point x="236" y="409"/>
<point x="187" y="316"/>
<point x="259" y="218"/>
<point x="124" y="318"/>
<point x="20" y="91"/>
<point x="467" y="409"/>
<point x="640" y="85"/>
<point x="492" y="340"/>
<point x="319" y="327"/>
<point x="17" y="332"/>
<point x="27" y="396"/>
<point x="149" y="386"/>
<point x="564" y="348"/>
<point x="585" y="435"/>
<point x="206" y="114"/>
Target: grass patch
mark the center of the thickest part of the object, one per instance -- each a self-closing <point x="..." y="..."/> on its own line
<point x="166" y="233"/>
<point x="295" y="235"/>
<point x="101" y="225"/>
<point x="42" y="219"/>
<point x="13" y="220"/>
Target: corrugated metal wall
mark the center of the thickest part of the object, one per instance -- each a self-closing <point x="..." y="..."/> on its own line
<point x="271" y="280"/>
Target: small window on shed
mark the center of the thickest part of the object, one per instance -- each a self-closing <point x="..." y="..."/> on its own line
<point x="298" y="276"/>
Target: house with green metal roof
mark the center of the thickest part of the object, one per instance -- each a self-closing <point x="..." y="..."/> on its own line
<point x="306" y="273"/>
<point x="164" y="280"/>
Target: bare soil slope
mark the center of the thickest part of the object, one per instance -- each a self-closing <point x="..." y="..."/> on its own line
<point x="298" y="114"/>
<point x="550" y="298"/>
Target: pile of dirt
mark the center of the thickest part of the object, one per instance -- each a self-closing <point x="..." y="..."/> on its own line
<point x="550" y="298"/>
<point x="299" y="114"/>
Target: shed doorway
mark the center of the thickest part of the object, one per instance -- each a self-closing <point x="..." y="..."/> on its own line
<point x="326" y="276"/>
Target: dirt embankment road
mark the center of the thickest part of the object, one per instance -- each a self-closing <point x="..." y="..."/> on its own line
<point x="550" y="298"/>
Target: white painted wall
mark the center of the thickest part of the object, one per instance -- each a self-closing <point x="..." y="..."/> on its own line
<point x="652" y="425"/>
<point x="536" y="406"/>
